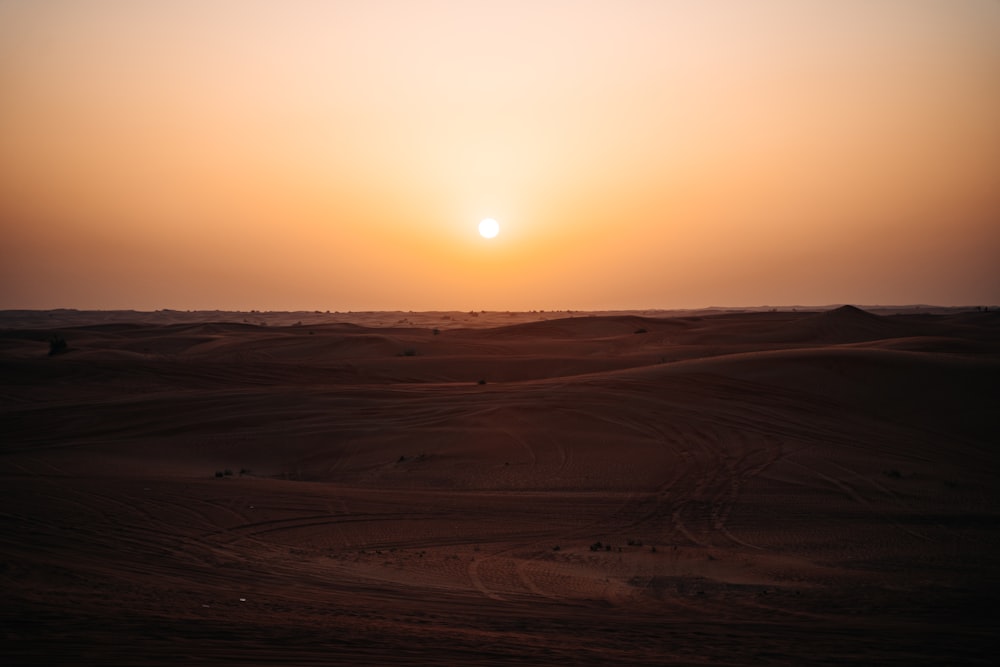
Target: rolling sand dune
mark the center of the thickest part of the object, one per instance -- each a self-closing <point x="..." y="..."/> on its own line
<point x="810" y="488"/>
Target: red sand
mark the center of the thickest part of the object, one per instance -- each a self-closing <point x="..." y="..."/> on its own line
<point x="776" y="488"/>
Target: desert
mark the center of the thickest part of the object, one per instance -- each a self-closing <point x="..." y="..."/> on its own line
<point x="470" y="332"/>
<point x="809" y="487"/>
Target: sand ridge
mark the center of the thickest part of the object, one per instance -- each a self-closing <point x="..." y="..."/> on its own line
<point x="785" y="487"/>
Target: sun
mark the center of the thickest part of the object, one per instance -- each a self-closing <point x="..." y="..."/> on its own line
<point x="489" y="228"/>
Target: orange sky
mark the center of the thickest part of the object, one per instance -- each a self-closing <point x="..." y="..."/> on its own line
<point x="645" y="154"/>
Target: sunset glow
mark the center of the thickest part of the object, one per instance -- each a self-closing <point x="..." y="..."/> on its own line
<point x="335" y="155"/>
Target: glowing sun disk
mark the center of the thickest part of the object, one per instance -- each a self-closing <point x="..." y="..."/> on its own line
<point x="489" y="228"/>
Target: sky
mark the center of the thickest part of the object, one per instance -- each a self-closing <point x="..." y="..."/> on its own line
<point x="339" y="155"/>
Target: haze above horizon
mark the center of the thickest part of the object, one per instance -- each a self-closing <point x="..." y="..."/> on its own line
<point x="340" y="155"/>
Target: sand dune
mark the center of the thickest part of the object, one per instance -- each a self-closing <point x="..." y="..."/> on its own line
<point x="749" y="488"/>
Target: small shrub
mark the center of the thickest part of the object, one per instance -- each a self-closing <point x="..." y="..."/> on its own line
<point x="57" y="344"/>
<point x="641" y="331"/>
<point x="482" y="382"/>
<point x="408" y="352"/>
<point x="218" y="473"/>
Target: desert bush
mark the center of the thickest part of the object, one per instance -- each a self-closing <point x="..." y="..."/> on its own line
<point x="57" y="345"/>
<point x="408" y="352"/>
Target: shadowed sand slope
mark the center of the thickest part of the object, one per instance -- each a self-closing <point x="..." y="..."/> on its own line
<point x="755" y="488"/>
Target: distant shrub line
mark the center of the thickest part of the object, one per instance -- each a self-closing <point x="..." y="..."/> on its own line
<point x="229" y="473"/>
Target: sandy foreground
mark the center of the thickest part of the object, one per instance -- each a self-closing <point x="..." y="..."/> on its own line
<point x="793" y="488"/>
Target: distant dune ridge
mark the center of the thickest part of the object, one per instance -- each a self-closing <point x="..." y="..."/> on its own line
<point x="758" y="487"/>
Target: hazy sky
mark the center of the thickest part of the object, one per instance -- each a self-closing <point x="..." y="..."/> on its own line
<point x="637" y="154"/>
